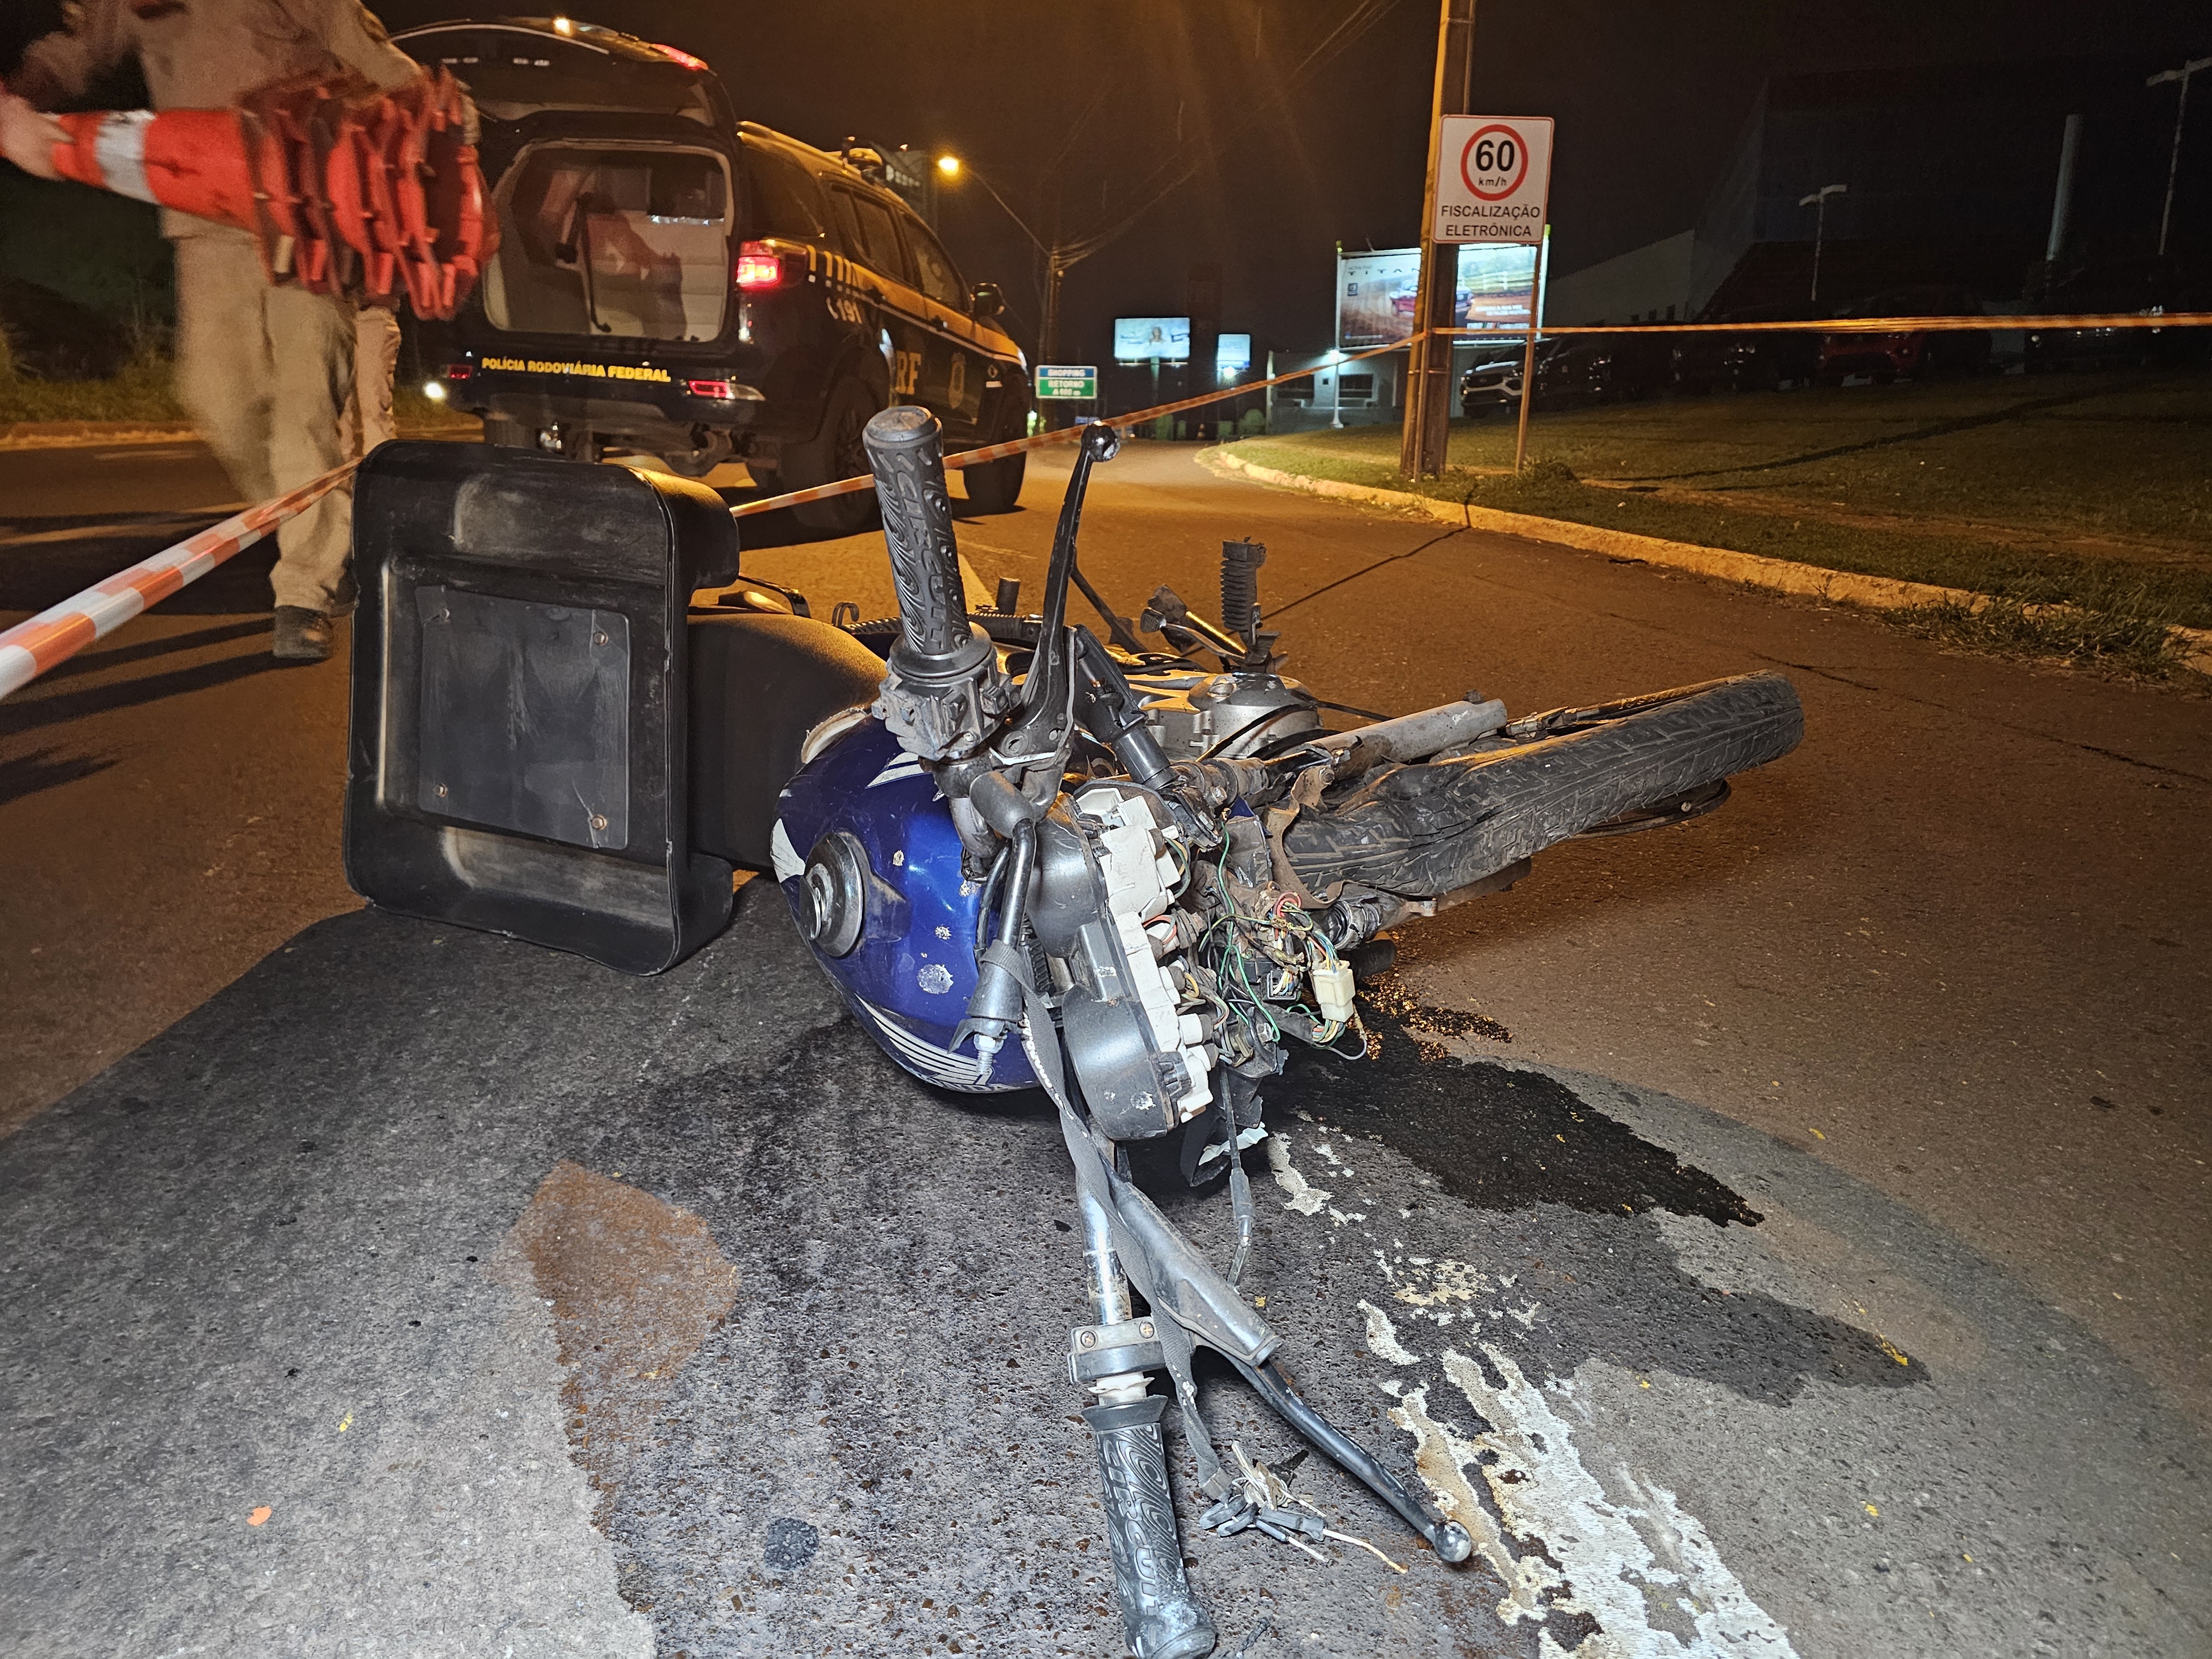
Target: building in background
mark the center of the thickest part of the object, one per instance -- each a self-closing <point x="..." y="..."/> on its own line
<point x="1649" y="284"/>
<point x="1951" y="178"/>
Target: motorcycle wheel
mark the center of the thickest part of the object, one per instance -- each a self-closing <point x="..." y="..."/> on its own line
<point x="1430" y="829"/>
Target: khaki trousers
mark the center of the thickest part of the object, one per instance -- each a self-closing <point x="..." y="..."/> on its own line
<point x="267" y="374"/>
<point x="375" y="361"/>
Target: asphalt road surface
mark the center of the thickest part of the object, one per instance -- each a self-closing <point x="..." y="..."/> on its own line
<point x="1781" y="1235"/>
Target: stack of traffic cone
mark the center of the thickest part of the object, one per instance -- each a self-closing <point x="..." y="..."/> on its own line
<point x="349" y="190"/>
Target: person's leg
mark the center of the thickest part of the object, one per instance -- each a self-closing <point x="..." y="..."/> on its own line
<point x="375" y="361"/>
<point x="224" y="368"/>
<point x="312" y="341"/>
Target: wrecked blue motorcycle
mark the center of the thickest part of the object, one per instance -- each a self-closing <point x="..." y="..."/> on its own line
<point x="1133" y="876"/>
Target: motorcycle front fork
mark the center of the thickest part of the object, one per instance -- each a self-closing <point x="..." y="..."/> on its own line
<point x="1110" y="1358"/>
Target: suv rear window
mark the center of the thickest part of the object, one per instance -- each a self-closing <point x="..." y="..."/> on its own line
<point x="787" y="199"/>
<point x="603" y="240"/>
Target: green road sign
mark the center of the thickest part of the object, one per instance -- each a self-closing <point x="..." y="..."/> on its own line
<point x="1070" y="380"/>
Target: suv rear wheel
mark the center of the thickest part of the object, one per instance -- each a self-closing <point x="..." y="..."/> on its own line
<point x="833" y="453"/>
<point x="997" y="486"/>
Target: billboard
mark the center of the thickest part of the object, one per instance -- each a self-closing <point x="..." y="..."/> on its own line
<point x="1141" y="339"/>
<point x="1375" y="293"/>
<point x="1232" y="354"/>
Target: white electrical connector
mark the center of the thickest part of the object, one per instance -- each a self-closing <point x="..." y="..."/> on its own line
<point x="1333" y="988"/>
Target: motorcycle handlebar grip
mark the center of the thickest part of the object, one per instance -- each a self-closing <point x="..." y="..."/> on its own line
<point x="905" y="451"/>
<point x="1160" y="1616"/>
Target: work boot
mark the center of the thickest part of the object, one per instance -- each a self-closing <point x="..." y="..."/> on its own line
<point x="302" y="635"/>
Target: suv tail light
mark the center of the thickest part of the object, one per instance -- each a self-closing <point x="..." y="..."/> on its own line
<point x="758" y="266"/>
<point x="710" y="389"/>
<point x="457" y="372"/>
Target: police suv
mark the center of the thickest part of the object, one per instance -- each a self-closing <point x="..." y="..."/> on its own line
<point x="674" y="281"/>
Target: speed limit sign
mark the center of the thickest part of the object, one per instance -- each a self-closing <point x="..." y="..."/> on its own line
<point x="1493" y="178"/>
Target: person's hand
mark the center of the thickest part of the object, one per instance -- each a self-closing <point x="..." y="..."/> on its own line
<point x="28" y="136"/>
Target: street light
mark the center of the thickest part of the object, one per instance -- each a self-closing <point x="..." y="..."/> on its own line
<point x="954" y="169"/>
<point x="1819" y="199"/>
<point x="2180" y="110"/>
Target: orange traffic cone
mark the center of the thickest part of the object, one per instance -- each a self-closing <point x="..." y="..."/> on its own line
<point x="347" y="190"/>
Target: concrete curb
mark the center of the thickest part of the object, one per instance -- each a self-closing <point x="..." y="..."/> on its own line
<point x="80" y="435"/>
<point x="1748" y="570"/>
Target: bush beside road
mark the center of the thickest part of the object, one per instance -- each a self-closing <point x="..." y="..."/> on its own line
<point x="2084" y="505"/>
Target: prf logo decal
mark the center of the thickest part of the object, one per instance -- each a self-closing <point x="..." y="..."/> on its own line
<point x="906" y="373"/>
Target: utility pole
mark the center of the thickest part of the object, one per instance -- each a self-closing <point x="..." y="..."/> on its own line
<point x="2180" y="111"/>
<point x="1819" y="199"/>
<point x="1428" y="363"/>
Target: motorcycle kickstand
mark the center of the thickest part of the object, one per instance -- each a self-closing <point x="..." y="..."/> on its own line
<point x="1160" y="1616"/>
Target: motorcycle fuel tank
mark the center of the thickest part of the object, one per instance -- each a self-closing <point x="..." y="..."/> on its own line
<point x="866" y="854"/>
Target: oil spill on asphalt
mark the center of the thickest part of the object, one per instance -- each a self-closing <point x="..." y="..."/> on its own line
<point x="1500" y="1138"/>
<point x="1513" y="1142"/>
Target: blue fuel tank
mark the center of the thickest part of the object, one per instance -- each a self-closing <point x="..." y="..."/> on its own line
<point x="909" y="976"/>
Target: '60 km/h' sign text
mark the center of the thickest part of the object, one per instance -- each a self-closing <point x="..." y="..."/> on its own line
<point x="1493" y="178"/>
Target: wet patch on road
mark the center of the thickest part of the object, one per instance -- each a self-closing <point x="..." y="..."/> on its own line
<point x="1501" y="1137"/>
<point x="636" y="1285"/>
<point x="1430" y="1027"/>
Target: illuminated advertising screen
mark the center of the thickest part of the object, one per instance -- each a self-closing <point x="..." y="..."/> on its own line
<point x="1141" y="339"/>
<point x="1375" y="293"/>
<point x="1232" y="354"/>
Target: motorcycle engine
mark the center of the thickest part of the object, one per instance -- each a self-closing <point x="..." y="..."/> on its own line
<point x="1227" y="715"/>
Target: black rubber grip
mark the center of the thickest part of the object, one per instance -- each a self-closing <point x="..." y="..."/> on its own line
<point x="1158" y="1615"/>
<point x="906" y="449"/>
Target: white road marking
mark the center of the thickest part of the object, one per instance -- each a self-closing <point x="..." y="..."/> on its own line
<point x="1639" y="1564"/>
<point x="1382" y="1336"/>
<point x="1306" y="1200"/>
<point x="1544" y="1492"/>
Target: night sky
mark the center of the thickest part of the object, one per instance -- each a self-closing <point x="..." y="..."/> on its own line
<point x="1305" y="120"/>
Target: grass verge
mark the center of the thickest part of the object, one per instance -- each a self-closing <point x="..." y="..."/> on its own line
<point x="2101" y="638"/>
<point x="2112" y="545"/>
<point x="144" y="393"/>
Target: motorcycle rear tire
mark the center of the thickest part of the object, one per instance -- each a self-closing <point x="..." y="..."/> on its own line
<point x="1428" y="831"/>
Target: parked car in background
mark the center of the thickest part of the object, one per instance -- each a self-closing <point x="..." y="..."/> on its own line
<point x="2139" y="286"/>
<point x="1909" y="353"/>
<point x="1492" y="384"/>
<point x="1600" y="368"/>
<point x="1763" y="361"/>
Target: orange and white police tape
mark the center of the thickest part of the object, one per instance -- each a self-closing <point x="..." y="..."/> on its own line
<point x="29" y="648"/>
<point x="990" y="452"/>
<point x="2087" y="322"/>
